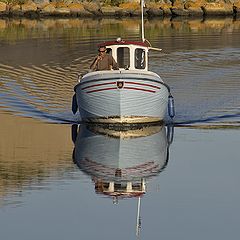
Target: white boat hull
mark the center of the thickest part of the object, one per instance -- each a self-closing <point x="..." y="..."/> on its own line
<point x="122" y="97"/>
<point x="137" y="154"/>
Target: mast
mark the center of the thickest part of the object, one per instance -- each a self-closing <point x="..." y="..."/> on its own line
<point x="142" y="6"/>
<point x="138" y="224"/>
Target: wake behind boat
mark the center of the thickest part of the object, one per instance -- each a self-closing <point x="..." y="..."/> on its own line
<point x="129" y="95"/>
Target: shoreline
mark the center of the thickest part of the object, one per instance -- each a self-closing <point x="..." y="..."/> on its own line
<point x="161" y="18"/>
<point x="46" y="9"/>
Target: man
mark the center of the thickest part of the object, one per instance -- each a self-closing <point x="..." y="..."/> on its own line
<point x="103" y="61"/>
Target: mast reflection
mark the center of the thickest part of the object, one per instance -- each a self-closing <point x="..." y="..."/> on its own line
<point x="119" y="161"/>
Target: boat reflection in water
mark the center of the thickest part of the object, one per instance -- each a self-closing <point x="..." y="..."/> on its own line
<point x="120" y="161"/>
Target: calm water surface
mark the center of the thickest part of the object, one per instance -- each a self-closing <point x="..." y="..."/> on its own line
<point x="54" y="174"/>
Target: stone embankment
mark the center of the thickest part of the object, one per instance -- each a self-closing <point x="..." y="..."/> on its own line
<point x="130" y="8"/>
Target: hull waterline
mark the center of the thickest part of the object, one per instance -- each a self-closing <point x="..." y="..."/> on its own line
<point x="125" y="97"/>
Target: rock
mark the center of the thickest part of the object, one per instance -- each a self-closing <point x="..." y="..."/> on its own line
<point x="41" y="3"/>
<point x="131" y="8"/>
<point x="68" y="2"/>
<point x="32" y="8"/>
<point x="217" y="8"/>
<point x="178" y="4"/>
<point x="165" y="6"/>
<point x="154" y="12"/>
<point x="93" y="7"/>
<point x="122" y="12"/>
<point x="37" y="2"/>
<point x="179" y="11"/>
<point x="236" y="8"/>
<point x="154" y="9"/>
<point x="110" y="10"/>
<point x="15" y="10"/>
<point x="194" y="7"/>
<point x="48" y="10"/>
<point x="78" y="10"/>
<point x="3" y="7"/>
<point x="63" y="11"/>
<point x="151" y="12"/>
<point x="60" y="4"/>
<point x="31" y="14"/>
<point x="29" y="6"/>
<point x="192" y="11"/>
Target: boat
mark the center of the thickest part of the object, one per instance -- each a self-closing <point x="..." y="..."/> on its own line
<point x="121" y="161"/>
<point x="130" y="95"/>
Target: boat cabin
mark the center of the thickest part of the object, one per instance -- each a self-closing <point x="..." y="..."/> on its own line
<point x="123" y="189"/>
<point x="129" y="55"/>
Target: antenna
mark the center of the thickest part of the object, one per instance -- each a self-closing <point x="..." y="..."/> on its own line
<point x="142" y="6"/>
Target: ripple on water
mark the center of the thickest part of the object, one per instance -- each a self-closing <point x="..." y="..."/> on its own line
<point x="205" y="84"/>
<point x="202" y="69"/>
<point x="44" y="92"/>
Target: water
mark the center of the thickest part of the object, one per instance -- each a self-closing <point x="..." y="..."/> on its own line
<point x="54" y="175"/>
<point x="200" y="61"/>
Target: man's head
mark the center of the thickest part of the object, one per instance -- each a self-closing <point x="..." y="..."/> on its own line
<point x="102" y="50"/>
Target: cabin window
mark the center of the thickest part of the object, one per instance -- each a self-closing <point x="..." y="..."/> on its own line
<point x="123" y="57"/>
<point x="101" y="186"/>
<point x="140" y="62"/>
<point x="120" y="187"/>
<point x="137" y="187"/>
<point x="109" y="51"/>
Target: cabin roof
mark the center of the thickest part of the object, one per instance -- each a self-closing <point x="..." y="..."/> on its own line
<point x="123" y="42"/>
